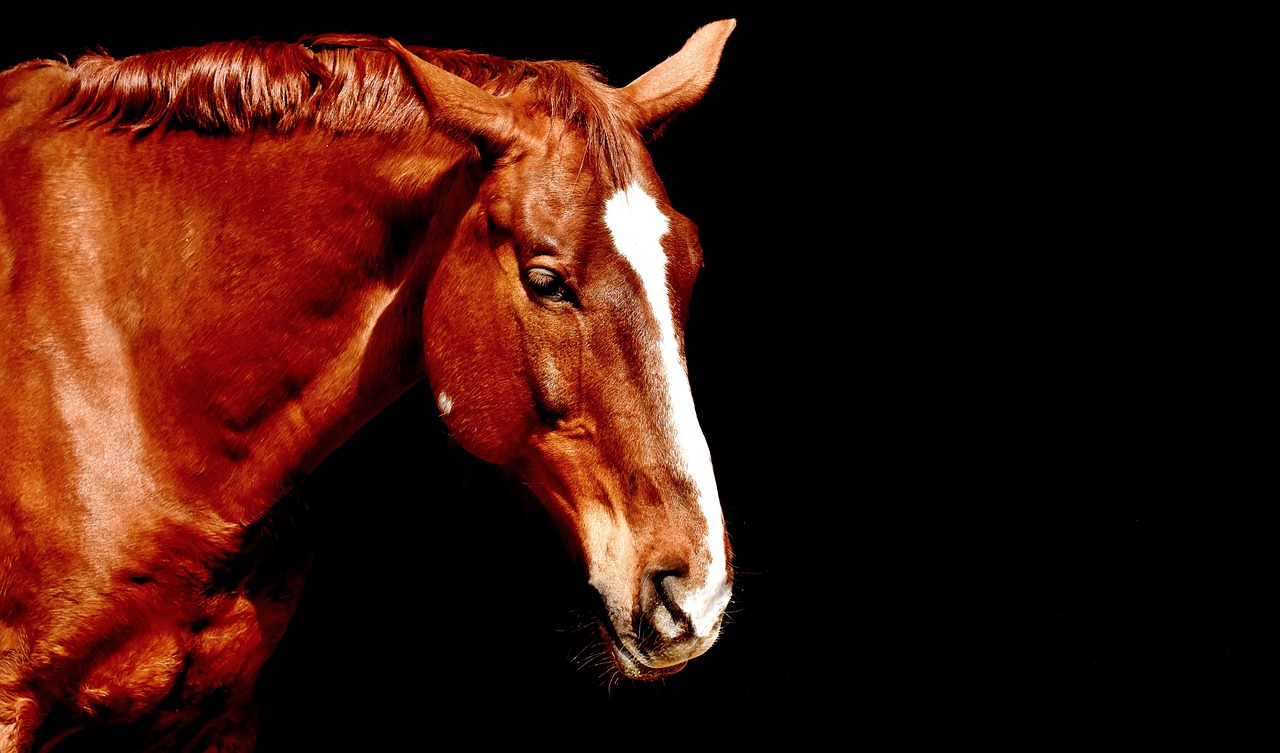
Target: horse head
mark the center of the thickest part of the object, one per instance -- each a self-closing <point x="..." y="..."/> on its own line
<point x="565" y="295"/>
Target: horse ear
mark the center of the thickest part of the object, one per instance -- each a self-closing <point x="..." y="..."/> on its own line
<point x="460" y="104"/>
<point x="680" y="81"/>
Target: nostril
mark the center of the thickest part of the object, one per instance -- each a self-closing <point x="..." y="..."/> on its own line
<point x="670" y="618"/>
<point x="659" y="575"/>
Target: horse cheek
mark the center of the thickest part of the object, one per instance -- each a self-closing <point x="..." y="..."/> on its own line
<point x="474" y="364"/>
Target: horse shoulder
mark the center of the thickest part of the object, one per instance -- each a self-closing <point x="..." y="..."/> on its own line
<point x="104" y="572"/>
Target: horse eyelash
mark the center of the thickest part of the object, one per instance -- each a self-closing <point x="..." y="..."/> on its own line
<point x="564" y="292"/>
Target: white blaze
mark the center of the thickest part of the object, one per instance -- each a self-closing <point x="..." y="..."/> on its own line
<point x="637" y="226"/>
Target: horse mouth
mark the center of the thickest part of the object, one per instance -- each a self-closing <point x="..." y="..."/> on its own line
<point x="629" y="662"/>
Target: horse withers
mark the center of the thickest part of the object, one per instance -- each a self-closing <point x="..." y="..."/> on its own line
<point x="218" y="262"/>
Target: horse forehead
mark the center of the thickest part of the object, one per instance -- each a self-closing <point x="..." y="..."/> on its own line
<point x="637" y="224"/>
<point x="562" y="178"/>
<point x="567" y="208"/>
<point x="563" y="195"/>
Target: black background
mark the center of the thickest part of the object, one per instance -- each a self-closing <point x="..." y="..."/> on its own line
<point x="967" y="370"/>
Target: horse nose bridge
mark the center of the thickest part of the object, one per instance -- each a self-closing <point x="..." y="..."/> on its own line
<point x="651" y="534"/>
<point x="683" y="567"/>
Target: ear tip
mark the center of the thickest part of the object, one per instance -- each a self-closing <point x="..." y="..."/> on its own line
<point x="723" y="27"/>
<point x="713" y="36"/>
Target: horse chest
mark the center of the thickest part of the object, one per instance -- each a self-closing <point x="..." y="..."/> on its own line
<point x="158" y="639"/>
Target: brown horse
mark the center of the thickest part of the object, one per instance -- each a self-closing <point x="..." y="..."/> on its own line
<point x="217" y="263"/>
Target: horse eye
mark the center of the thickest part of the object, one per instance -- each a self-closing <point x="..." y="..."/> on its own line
<point x="548" y="284"/>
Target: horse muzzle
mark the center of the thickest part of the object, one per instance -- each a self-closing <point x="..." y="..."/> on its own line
<point x="670" y="626"/>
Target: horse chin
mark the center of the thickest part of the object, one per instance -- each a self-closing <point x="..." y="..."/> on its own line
<point x="630" y="660"/>
<point x="641" y="672"/>
<point x="630" y="665"/>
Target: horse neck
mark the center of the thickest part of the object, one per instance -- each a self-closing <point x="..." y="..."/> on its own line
<point x="273" y="303"/>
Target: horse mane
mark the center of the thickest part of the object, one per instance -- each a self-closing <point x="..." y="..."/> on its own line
<point x="336" y="82"/>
